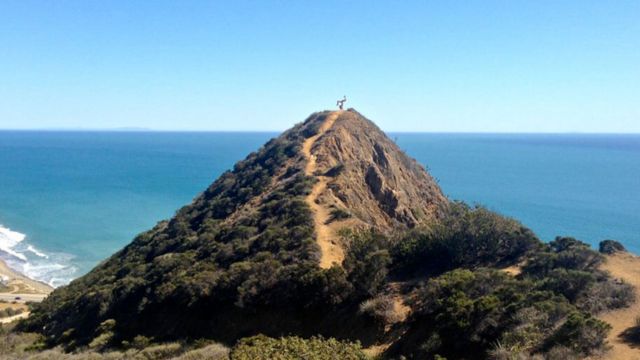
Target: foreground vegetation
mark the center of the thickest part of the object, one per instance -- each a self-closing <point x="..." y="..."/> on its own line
<point x="462" y="304"/>
<point x="14" y="346"/>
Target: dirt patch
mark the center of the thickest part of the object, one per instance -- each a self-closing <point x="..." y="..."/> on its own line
<point x="513" y="270"/>
<point x="626" y="267"/>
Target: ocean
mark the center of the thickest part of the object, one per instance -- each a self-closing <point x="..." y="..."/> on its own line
<point x="70" y="199"/>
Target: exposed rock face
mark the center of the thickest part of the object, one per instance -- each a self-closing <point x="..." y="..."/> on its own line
<point x="371" y="178"/>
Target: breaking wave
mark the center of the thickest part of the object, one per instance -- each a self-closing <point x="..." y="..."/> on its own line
<point x="54" y="269"/>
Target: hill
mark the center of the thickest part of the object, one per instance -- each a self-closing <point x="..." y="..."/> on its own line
<point x="328" y="232"/>
<point x="251" y="244"/>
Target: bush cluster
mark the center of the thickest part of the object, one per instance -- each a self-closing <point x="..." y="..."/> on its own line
<point x="570" y="267"/>
<point x="548" y="309"/>
<point x="466" y="237"/>
<point x="8" y="312"/>
<point x="339" y="214"/>
<point x="611" y="247"/>
<point x="294" y="348"/>
<point x="464" y="314"/>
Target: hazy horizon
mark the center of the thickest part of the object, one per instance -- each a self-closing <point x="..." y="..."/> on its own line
<point x="278" y="131"/>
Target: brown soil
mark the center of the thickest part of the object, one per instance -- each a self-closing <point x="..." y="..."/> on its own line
<point x="513" y="270"/>
<point x="331" y="252"/>
<point x="626" y="267"/>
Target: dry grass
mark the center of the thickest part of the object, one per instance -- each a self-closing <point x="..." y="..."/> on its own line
<point x="16" y="306"/>
<point x="211" y="352"/>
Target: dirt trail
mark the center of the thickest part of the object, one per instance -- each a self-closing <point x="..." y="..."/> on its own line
<point x="331" y="252"/>
<point x="400" y="308"/>
<point x="396" y="327"/>
<point x="623" y="266"/>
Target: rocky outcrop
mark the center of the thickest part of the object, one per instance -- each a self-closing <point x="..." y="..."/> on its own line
<point x="372" y="178"/>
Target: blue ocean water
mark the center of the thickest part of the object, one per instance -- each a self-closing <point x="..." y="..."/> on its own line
<point x="73" y="198"/>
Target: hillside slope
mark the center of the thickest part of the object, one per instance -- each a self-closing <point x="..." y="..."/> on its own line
<point x="251" y="246"/>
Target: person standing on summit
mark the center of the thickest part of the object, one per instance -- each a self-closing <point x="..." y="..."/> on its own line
<point x="340" y="103"/>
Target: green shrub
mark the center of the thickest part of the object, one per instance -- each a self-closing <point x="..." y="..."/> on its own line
<point x="295" y="348"/>
<point x="569" y="283"/>
<point x="563" y="252"/>
<point x="339" y="214"/>
<point x="335" y="171"/>
<point x="581" y="333"/>
<point x="466" y="237"/>
<point x="8" y="312"/>
<point x="464" y="314"/>
<point x="632" y="334"/>
<point x="366" y="261"/>
<point x="611" y="247"/>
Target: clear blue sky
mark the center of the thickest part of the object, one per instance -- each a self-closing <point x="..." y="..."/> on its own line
<point x="490" y="66"/>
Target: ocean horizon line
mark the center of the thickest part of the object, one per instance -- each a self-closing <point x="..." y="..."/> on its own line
<point x="149" y="130"/>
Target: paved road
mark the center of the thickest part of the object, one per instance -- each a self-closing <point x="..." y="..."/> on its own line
<point x="23" y="297"/>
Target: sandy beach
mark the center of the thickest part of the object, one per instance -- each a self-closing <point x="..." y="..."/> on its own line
<point x="20" y="287"/>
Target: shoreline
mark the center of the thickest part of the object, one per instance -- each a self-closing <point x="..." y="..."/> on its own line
<point x="21" y="286"/>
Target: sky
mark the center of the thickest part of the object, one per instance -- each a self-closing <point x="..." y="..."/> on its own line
<point x="441" y="66"/>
